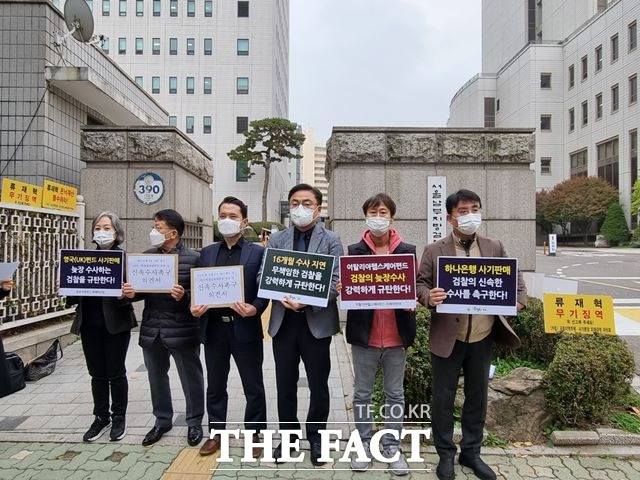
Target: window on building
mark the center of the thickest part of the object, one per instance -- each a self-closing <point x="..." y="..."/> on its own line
<point x="106" y="8"/>
<point x="173" y="85"/>
<point x="579" y="164"/>
<point x="242" y="85"/>
<point x="139" y="81"/>
<point x="139" y="46"/>
<point x="208" y="46"/>
<point x="191" y="8"/>
<point x="191" y="46"/>
<point x="572" y="76"/>
<point x="122" y="46"/>
<point x="173" y="46"/>
<point x="173" y="8"/>
<point x="598" y="58"/>
<point x="633" y="35"/>
<point x="243" y="9"/>
<point x="242" y="171"/>
<point x="585" y="68"/>
<point x="155" y="45"/>
<point x="614" y="48"/>
<point x="497" y="105"/>
<point x="608" y="168"/>
<point x="208" y="85"/>
<point x="572" y="119"/>
<point x="208" y="8"/>
<point x="155" y="84"/>
<point x="615" y="98"/>
<point x="243" y="46"/>
<point x="122" y="8"/>
<point x="206" y="124"/>
<point x="633" y="156"/>
<point x="139" y="8"/>
<point x="489" y="112"/>
<point x="545" y="122"/>
<point x="545" y="165"/>
<point x="191" y="85"/>
<point x="633" y="89"/>
<point x="105" y="45"/>
<point x="599" y="106"/>
<point x="545" y="80"/>
<point x="156" y="8"/>
<point x="173" y="121"/>
<point x="242" y="124"/>
<point x="189" y="124"/>
<point x="585" y="113"/>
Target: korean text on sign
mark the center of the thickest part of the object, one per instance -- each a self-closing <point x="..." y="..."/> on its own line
<point x="58" y="196"/>
<point x="217" y="286"/>
<point x="152" y="273"/>
<point x="581" y="314"/>
<point x="20" y="193"/>
<point x="91" y="273"/>
<point x="377" y="281"/>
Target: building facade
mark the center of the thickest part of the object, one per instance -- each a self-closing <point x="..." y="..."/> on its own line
<point x="215" y="66"/>
<point x="314" y="163"/>
<point x="567" y="68"/>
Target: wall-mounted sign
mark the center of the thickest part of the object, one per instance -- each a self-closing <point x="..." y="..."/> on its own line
<point x="58" y="196"/>
<point x="436" y="211"/>
<point x="149" y="188"/>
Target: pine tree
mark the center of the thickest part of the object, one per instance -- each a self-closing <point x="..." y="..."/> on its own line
<point x="615" y="228"/>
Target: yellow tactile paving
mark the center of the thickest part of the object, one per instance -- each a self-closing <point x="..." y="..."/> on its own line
<point x="190" y="465"/>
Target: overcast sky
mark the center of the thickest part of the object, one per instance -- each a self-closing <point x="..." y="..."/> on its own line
<point x="380" y="62"/>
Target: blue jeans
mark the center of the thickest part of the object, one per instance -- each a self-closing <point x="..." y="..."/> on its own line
<point x="365" y="364"/>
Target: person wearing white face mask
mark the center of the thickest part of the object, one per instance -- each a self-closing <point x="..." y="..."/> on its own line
<point x="461" y="341"/>
<point x="104" y="325"/>
<point x="380" y="337"/>
<point x="235" y="331"/>
<point x="302" y="332"/>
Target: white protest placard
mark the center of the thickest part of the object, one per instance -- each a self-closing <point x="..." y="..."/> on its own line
<point x="8" y="269"/>
<point x="151" y="272"/>
<point x="217" y="286"/>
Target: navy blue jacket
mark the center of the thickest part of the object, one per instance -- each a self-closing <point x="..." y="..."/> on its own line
<point x="247" y="329"/>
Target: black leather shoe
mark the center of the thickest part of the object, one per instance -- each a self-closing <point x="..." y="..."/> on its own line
<point x="194" y="435"/>
<point x="277" y="453"/>
<point x="480" y="469"/>
<point x="316" y="453"/>
<point x="444" y="470"/>
<point x="154" y="435"/>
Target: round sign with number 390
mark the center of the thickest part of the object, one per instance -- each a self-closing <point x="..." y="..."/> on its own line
<point x="149" y="188"/>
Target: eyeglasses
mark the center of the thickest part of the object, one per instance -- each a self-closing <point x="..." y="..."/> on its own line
<point x="306" y="204"/>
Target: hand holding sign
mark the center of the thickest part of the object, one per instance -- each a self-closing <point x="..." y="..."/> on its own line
<point x="437" y="295"/>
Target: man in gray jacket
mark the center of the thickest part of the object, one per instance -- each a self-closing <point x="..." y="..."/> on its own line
<point x="303" y="331"/>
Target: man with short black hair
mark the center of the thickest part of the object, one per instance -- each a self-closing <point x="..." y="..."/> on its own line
<point x="461" y="341"/>
<point x="303" y="332"/>
<point x="168" y="329"/>
<point x="234" y="331"/>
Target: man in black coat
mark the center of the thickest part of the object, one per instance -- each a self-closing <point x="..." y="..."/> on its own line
<point x="5" y="381"/>
<point x="169" y="329"/>
<point x="235" y="331"/>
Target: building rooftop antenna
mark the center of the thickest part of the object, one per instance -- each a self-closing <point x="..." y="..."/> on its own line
<point x="79" y="20"/>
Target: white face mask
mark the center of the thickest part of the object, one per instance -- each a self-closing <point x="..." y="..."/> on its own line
<point x="229" y="227"/>
<point x="156" y="238"/>
<point x="469" y="223"/>
<point x="103" y="238"/>
<point x="301" y="216"/>
<point x="378" y="226"/>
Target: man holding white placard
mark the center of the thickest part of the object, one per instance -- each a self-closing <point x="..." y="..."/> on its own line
<point x="233" y="329"/>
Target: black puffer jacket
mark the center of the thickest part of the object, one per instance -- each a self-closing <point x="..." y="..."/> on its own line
<point x="165" y="317"/>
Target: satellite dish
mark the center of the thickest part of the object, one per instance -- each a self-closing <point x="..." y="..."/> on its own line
<point x="79" y="20"/>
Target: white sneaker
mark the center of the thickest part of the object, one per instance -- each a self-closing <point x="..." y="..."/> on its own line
<point x="399" y="467"/>
<point x="361" y="466"/>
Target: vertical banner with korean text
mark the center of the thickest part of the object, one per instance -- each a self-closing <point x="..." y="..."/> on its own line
<point x="436" y="209"/>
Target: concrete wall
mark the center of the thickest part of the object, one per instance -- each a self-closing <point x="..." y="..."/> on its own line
<point x="494" y="163"/>
<point x="117" y="156"/>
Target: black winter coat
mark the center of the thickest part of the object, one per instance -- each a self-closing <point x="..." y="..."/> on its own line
<point x="359" y="322"/>
<point x="163" y="316"/>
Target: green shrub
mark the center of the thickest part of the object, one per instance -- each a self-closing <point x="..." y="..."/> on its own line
<point x="625" y="421"/>
<point x="258" y="226"/>
<point x="615" y="228"/>
<point x="587" y="378"/>
<point x="537" y="346"/>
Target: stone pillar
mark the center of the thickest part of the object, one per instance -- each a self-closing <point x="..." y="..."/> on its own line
<point x="118" y="156"/>
<point x="495" y="163"/>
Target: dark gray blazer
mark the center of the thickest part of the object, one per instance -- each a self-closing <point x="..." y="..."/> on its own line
<point x="323" y="321"/>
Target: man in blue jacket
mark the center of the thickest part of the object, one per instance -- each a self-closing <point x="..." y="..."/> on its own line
<point x="234" y="331"/>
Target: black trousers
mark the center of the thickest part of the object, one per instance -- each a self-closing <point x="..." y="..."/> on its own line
<point x="220" y="345"/>
<point x="105" y="355"/>
<point x="5" y="379"/>
<point x="474" y="359"/>
<point x="187" y="360"/>
<point x="292" y="343"/>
